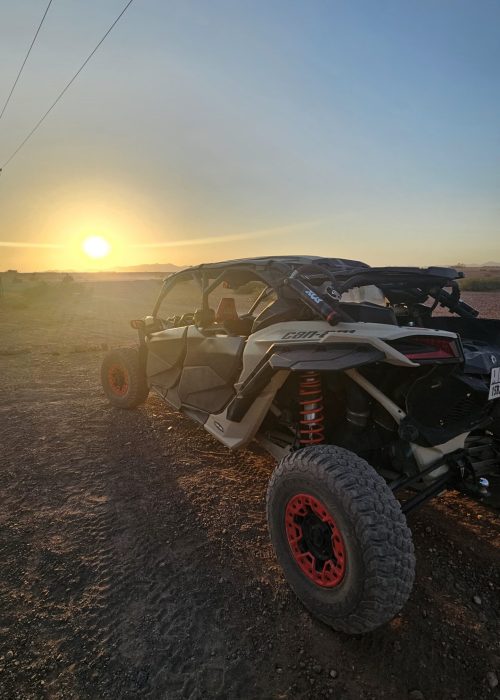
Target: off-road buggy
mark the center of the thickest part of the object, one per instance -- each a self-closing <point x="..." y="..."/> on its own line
<point x="371" y="404"/>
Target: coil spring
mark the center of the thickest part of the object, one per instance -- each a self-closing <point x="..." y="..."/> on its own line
<point x="312" y="418"/>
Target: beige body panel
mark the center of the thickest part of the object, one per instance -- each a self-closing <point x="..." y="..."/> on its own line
<point x="301" y="332"/>
<point x="236" y="435"/>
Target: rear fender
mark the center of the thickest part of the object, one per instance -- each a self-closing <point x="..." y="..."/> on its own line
<point x="241" y="420"/>
<point x="324" y="358"/>
<point x="281" y="360"/>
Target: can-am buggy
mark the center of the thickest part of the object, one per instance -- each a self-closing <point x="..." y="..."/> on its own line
<point x="370" y="403"/>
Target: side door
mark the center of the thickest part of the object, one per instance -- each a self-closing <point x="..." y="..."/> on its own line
<point x="167" y="348"/>
<point x="211" y="366"/>
<point x="214" y="354"/>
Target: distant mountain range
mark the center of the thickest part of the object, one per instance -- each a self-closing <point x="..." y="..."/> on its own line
<point x="486" y="264"/>
<point x="154" y="267"/>
<point x="170" y="267"/>
<point x="159" y="268"/>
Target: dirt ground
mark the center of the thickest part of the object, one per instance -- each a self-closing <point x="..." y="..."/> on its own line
<point x="135" y="559"/>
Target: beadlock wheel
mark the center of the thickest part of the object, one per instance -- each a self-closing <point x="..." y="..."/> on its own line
<point x="123" y="378"/>
<point x="341" y="538"/>
<point x="315" y="540"/>
<point x="118" y="379"/>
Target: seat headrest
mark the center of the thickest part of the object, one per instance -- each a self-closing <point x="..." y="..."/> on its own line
<point x="226" y="310"/>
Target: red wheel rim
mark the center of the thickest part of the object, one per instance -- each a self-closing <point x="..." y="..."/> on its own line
<point x="118" y="379"/>
<point x="315" y="540"/>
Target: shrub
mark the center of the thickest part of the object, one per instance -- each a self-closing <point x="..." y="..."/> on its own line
<point x="481" y="284"/>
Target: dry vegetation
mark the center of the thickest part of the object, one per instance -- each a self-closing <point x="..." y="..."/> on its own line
<point x="480" y="279"/>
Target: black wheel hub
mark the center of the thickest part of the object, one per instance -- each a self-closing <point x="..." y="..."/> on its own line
<point x="317" y="537"/>
<point x="118" y="378"/>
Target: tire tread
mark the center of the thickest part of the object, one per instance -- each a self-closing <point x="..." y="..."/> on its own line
<point x="138" y="387"/>
<point x="379" y="524"/>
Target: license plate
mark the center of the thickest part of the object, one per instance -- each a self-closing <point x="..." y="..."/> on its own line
<point x="495" y="384"/>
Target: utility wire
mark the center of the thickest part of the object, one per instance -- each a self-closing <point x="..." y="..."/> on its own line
<point x="25" y="59"/>
<point x="39" y="122"/>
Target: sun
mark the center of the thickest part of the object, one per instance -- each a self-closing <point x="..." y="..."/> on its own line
<point x="96" y="247"/>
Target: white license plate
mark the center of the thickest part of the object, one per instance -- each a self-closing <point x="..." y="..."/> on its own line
<point x="495" y="384"/>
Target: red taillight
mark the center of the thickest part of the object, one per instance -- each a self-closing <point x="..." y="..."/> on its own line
<point x="433" y="348"/>
<point x="426" y="347"/>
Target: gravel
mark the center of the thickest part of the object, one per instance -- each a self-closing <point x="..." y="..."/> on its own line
<point x="492" y="679"/>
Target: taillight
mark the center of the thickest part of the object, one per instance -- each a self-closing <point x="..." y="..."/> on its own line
<point x="427" y="348"/>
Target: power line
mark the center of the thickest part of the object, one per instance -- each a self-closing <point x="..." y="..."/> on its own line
<point x="25" y="59"/>
<point x="39" y="122"/>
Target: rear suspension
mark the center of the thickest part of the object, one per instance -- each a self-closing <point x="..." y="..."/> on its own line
<point x="312" y="416"/>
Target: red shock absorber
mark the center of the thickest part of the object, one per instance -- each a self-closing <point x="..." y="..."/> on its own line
<point x="312" y="417"/>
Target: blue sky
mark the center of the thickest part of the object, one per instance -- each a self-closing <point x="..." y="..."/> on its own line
<point x="364" y="129"/>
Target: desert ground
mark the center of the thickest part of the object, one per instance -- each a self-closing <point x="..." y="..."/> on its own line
<point x="135" y="559"/>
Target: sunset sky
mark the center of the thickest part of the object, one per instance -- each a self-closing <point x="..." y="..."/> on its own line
<point x="210" y="130"/>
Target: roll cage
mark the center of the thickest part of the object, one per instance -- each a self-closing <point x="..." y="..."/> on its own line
<point x="402" y="286"/>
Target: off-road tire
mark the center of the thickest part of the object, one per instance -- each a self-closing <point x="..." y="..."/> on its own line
<point x="379" y="556"/>
<point x="123" y="378"/>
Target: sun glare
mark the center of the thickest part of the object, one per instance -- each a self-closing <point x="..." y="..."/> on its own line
<point x="96" y="247"/>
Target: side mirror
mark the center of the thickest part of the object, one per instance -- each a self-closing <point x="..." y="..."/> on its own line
<point x="138" y="324"/>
